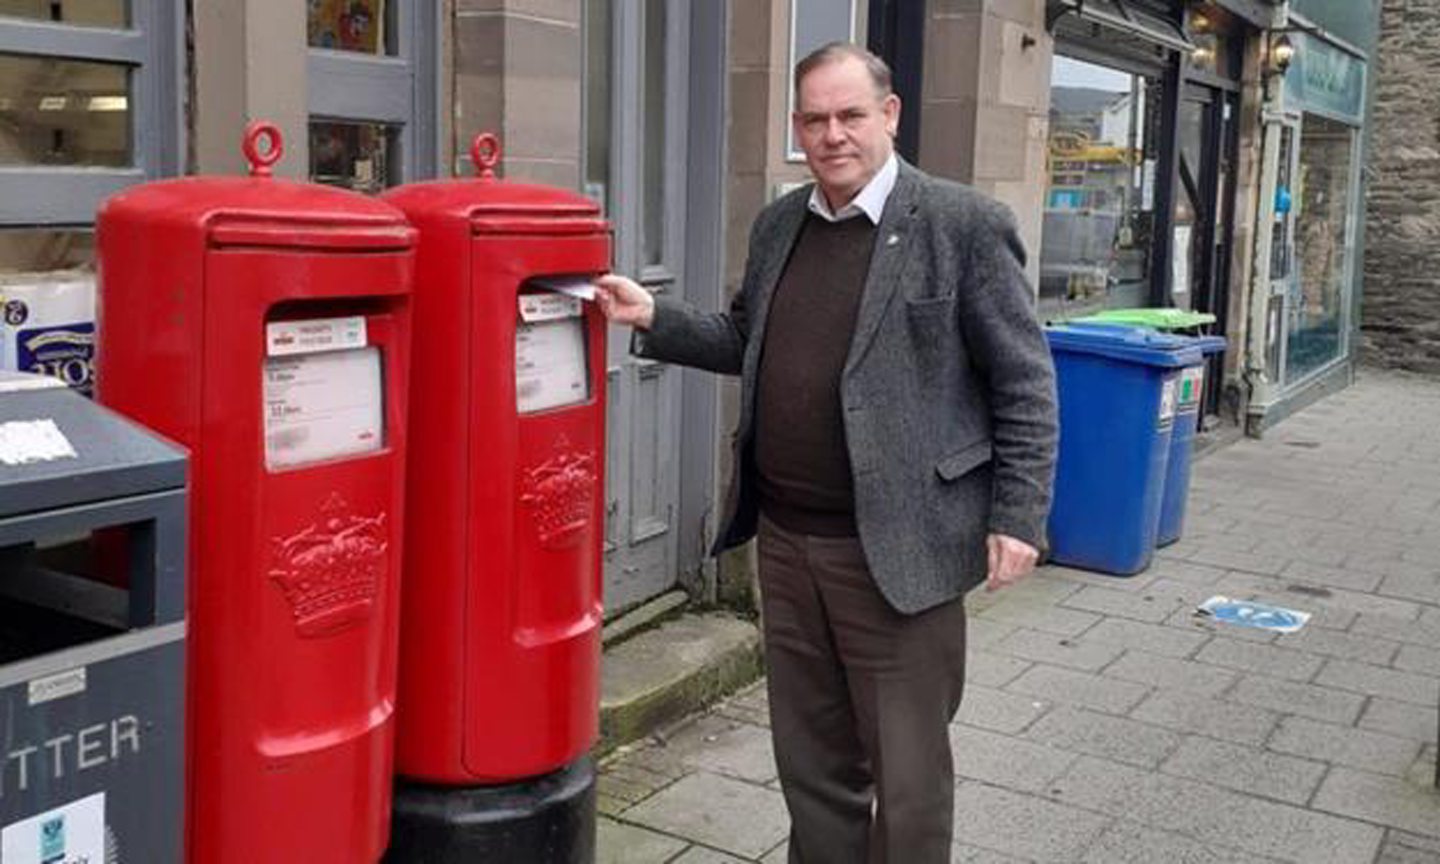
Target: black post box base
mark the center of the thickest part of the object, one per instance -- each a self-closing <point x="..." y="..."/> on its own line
<point x="545" y="820"/>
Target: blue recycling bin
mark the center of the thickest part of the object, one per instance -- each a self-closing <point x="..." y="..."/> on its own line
<point x="1182" y="441"/>
<point x="1176" y="490"/>
<point x="1118" y="389"/>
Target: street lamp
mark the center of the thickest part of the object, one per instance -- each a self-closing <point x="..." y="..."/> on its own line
<point x="1282" y="52"/>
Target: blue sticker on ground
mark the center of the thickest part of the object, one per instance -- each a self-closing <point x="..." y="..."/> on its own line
<point x="1249" y="613"/>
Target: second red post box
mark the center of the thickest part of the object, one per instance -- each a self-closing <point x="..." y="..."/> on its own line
<point x="500" y="645"/>
<point x="265" y="326"/>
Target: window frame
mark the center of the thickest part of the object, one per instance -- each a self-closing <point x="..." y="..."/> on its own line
<point x="400" y="89"/>
<point x="793" y="153"/>
<point x="152" y="49"/>
<point x="628" y="145"/>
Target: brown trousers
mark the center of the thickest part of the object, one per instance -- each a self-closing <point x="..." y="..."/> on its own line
<point x="861" y="698"/>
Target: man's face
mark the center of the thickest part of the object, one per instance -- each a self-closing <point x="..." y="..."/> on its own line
<point x="845" y="126"/>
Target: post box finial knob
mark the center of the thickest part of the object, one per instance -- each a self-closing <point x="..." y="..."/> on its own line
<point x="485" y="153"/>
<point x="274" y="146"/>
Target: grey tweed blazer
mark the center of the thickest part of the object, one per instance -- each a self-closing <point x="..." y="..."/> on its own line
<point x="948" y="392"/>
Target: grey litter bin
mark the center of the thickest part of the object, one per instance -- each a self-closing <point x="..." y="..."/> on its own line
<point x="92" y="632"/>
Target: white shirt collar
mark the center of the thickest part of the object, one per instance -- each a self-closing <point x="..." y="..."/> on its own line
<point x="870" y="201"/>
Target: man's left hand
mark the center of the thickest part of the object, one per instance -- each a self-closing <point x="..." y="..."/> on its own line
<point x="1010" y="560"/>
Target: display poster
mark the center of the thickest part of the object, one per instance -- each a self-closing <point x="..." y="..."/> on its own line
<point x="1180" y="261"/>
<point x="550" y="367"/>
<point x="321" y="406"/>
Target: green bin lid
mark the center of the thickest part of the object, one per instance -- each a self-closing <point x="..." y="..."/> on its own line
<point x="1156" y="319"/>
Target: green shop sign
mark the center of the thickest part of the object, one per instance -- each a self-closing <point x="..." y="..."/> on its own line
<point x="1323" y="79"/>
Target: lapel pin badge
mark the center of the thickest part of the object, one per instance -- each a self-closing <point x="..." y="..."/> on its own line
<point x="892" y="239"/>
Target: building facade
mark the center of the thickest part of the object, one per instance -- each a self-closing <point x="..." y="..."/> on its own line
<point x="1155" y="153"/>
<point x="1305" y="291"/>
<point x="1139" y="120"/>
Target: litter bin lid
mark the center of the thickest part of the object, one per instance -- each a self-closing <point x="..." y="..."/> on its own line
<point x="1206" y="344"/>
<point x="1209" y="344"/>
<point x="1130" y="344"/>
<point x="1158" y="319"/>
<point x="59" y="449"/>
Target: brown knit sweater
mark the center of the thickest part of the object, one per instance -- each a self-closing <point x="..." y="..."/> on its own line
<point x="803" y="467"/>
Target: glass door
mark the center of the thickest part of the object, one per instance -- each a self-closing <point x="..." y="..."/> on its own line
<point x="1282" y="246"/>
<point x="1193" y="206"/>
<point x="1203" y="210"/>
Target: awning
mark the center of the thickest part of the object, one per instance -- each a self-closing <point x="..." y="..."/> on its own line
<point x="1125" y="17"/>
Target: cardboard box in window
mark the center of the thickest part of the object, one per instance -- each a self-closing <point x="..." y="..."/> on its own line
<point x="47" y="326"/>
<point x="347" y="25"/>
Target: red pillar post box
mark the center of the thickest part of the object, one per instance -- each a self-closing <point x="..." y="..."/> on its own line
<point x="264" y="325"/>
<point x="500" y="647"/>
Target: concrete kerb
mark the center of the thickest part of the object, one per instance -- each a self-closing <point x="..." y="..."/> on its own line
<point x="673" y="670"/>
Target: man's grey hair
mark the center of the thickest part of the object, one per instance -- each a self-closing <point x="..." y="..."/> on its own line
<point x="834" y="52"/>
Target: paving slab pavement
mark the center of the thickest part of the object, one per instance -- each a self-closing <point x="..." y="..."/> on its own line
<point x="1106" y="722"/>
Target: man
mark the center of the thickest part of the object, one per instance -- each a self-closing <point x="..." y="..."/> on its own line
<point x="895" y="447"/>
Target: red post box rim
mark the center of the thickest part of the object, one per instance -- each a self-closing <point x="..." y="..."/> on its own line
<point x="261" y="160"/>
<point x="485" y="153"/>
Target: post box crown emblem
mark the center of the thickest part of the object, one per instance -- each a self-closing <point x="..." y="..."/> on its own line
<point x="331" y="570"/>
<point x="560" y="493"/>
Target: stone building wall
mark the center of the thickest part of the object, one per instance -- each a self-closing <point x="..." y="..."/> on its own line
<point x="986" y="101"/>
<point x="518" y="73"/>
<point x="1400" y="311"/>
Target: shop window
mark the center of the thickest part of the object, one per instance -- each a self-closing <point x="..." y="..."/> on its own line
<point x="374" y="84"/>
<point x="64" y="112"/>
<point x="32" y="250"/>
<point x="1100" y="197"/>
<point x="78" y="13"/>
<point x="1322" y="214"/>
<point x="89" y="104"/>
<point x="361" y="26"/>
<point x="358" y="156"/>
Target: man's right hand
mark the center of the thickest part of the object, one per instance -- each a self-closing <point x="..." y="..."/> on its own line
<point x="623" y="301"/>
